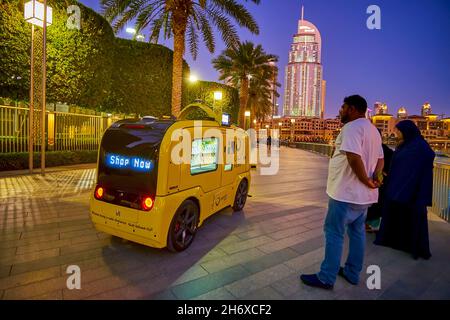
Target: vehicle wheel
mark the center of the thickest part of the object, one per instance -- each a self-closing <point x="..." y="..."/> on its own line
<point x="183" y="227"/>
<point x="241" y="195"/>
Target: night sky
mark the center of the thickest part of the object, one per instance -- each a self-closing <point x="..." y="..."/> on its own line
<point x="405" y="63"/>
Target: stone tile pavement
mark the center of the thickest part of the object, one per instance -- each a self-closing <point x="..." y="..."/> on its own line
<point x="254" y="254"/>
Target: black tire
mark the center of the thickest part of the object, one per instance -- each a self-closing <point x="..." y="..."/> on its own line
<point x="241" y="196"/>
<point x="183" y="227"/>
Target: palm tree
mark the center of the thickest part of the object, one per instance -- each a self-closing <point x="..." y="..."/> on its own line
<point x="238" y="64"/>
<point x="261" y="91"/>
<point x="180" y="19"/>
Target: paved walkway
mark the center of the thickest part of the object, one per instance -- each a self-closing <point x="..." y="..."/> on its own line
<point x="255" y="254"/>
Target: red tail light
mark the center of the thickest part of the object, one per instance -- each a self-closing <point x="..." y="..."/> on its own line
<point x="99" y="191"/>
<point x="147" y="203"/>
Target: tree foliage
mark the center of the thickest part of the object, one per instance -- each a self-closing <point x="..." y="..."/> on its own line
<point x="204" y="91"/>
<point x="246" y="64"/>
<point x="141" y="79"/>
<point x="196" y="18"/>
<point x="89" y="67"/>
<point x="182" y="20"/>
<point x="262" y="93"/>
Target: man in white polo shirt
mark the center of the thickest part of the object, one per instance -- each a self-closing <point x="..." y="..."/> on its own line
<point x="352" y="187"/>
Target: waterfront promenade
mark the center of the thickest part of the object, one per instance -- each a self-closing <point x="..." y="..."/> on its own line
<point x="254" y="254"/>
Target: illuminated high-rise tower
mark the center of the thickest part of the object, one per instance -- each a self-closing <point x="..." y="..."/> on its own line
<point x="304" y="89"/>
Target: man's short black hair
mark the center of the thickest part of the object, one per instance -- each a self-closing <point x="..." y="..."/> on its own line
<point x="356" y="101"/>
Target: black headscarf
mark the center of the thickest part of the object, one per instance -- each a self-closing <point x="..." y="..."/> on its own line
<point x="409" y="130"/>
<point x="411" y="172"/>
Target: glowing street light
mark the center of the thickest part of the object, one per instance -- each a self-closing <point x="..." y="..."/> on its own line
<point x="193" y="78"/>
<point x="280" y="124"/>
<point x="218" y="95"/>
<point x="41" y="15"/>
<point x="292" y="129"/>
<point x="247" y="113"/>
<point x="139" y="37"/>
<point x="131" y="30"/>
<point x="34" y="13"/>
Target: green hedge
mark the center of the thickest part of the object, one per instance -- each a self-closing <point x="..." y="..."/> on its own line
<point x="89" y="67"/>
<point x="17" y="161"/>
<point x="141" y="81"/>
<point x="79" y="62"/>
<point x="15" y="43"/>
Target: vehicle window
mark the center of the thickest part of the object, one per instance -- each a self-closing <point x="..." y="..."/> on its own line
<point x="229" y="156"/>
<point x="204" y="155"/>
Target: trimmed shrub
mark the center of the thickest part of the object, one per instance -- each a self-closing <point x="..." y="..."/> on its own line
<point x="91" y="68"/>
<point x="141" y="81"/>
<point x="18" y="161"/>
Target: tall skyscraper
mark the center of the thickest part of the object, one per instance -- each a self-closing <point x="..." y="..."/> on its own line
<point x="304" y="90"/>
<point x="426" y="109"/>
<point x="380" y="108"/>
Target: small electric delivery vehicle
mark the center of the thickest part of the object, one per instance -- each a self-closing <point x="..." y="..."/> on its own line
<point x="159" y="179"/>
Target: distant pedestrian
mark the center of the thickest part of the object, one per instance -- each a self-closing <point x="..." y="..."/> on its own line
<point x="358" y="157"/>
<point x="409" y="191"/>
<point x="269" y="142"/>
<point x="374" y="212"/>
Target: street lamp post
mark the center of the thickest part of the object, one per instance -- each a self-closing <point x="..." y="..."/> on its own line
<point x="38" y="14"/>
<point x="217" y="96"/>
<point x="193" y="79"/>
<point x="31" y="114"/>
<point x="139" y="36"/>
<point x="247" y="115"/>
<point x="292" y="130"/>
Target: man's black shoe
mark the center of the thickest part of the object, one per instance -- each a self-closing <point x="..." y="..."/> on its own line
<point x="341" y="273"/>
<point x="313" y="281"/>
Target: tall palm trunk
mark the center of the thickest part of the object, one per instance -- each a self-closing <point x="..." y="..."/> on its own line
<point x="252" y="116"/>
<point x="243" y="99"/>
<point x="177" y="72"/>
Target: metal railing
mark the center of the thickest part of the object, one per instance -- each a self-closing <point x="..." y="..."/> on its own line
<point x="441" y="177"/>
<point x="78" y="131"/>
<point x="323" y="149"/>
<point x="64" y="131"/>
<point x="441" y="190"/>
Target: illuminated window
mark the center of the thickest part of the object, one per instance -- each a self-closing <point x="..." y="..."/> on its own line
<point x="204" y="156"/>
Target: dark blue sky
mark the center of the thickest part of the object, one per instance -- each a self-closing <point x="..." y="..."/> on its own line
<point x="405" y="63"/>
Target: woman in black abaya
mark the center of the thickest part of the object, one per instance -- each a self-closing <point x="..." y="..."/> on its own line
<point x="409" y="190"/>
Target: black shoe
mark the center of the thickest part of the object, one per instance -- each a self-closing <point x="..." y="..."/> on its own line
<point x="313" y="281"/>
<point x="341" y="273"/>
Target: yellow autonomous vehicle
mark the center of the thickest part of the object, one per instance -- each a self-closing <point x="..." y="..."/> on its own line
<point x="159" y="179"/>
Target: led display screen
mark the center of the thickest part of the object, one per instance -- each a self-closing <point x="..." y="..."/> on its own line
<point x="124" y="162"/>
<point x="226" y="119"/>
<point x="128" y="158"/>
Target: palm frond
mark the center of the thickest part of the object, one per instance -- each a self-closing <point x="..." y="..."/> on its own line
<point x="192" y="38"/>
<point x="239" y="13"/>
<point x="207" y="33"/>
